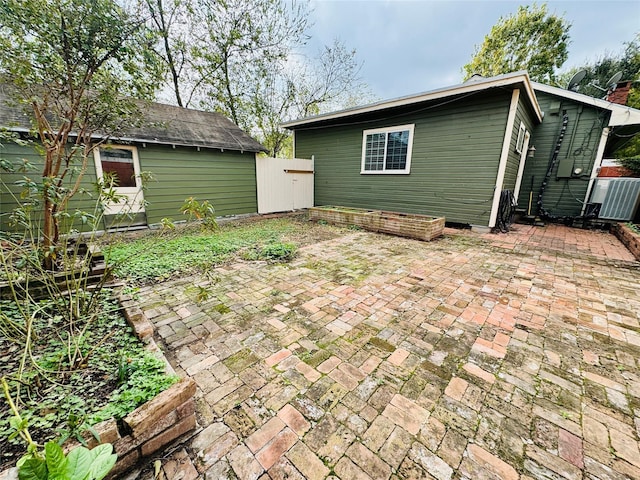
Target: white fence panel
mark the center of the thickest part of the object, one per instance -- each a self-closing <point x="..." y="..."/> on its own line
<point x="284" y="184"/>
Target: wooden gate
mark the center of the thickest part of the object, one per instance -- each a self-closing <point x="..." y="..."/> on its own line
<point x="284" y="184"/>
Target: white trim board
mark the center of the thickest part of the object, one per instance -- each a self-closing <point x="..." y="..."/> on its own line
<point x="504" y="157"/>
<point x="620" y="114"/>
<point x="509" y="79"/>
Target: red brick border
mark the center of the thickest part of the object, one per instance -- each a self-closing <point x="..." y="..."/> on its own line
<point x="628" y="237"/>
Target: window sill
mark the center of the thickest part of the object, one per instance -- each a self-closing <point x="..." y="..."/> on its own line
<point x="385" y="172"/>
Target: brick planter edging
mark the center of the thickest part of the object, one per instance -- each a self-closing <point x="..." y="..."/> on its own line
<point x="411" y="225"/>
<point x="628" y="237"/>
<point x="151" y="426"/>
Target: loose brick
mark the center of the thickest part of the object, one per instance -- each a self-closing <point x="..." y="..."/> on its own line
<point x="308" y="371"/>
<point x="345" y="468"/>
<point x="570" y="448"/>
<point x="397" y="357"/>
<point x="456" y="388"/>
<point x="480" y="373"/>
<point x="553" y="463"/>
<point x="406" y="413"/>
<point x="433" y="464"/>
<point x="329" y="364"/>
<point x="272" y="451"/>
<point x="490" y="462"/>
<point x="368" y="461"/>
<point x="244" y="464"/>
<point x="294" y="419"/>
<point x="625" y="447"/>
<point x="306" y="462"/>
<point x="214" y="452"/>
<point x="159" y="441"/>
<point x="264" y="435"/>
<point x="277" y="357"/>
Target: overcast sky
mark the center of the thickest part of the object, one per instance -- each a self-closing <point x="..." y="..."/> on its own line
<point x="414" y="46"/>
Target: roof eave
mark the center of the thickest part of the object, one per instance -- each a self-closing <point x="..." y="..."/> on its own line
<point x="620" y="114"/>
<point x="504" y="80"/>
<point x="233" y="148"/>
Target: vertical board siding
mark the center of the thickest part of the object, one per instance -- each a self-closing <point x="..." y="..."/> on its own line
<point x="456" y="152"/>
<point x="226" y="179"/>
<point x="83" y="201"/>
<point x="563" y="196"/>
<point x="280" y="189"/>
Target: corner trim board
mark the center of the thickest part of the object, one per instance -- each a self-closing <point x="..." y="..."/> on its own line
<point x="504" y="157"/>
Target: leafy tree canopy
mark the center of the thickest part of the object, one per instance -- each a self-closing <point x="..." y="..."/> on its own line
<point x="73" y="64"/>
<point x="532" y="40"/>
<point x="241" y="58"/>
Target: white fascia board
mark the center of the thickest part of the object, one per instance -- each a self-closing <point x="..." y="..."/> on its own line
<point x="504" y="157"/>
<point x="620" y="114"/>
<point x="461" y="89"/>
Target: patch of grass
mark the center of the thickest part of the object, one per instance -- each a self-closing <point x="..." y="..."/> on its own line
<point x="382" y="344"/>
<point x="272" y="252"/>
<point x="157" y="257"/>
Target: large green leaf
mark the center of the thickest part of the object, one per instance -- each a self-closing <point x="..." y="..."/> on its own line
<point x="103" y="461"/>
<point x="56" y="461"/>
<point x="78" y="463"/>
<point x="33" y="469"/>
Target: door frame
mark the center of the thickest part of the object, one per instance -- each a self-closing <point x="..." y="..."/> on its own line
<point x="134" y="198"/>
<point x="523" y="159"/>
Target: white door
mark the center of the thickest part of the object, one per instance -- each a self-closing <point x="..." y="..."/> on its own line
<point x="120" y="163"/>
<point x="302" y="190"/>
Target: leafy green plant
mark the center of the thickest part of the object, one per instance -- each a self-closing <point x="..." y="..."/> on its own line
<point x="280" y="252"/>
<point x="202" y="211"/>
<point x="50" y="462"/>
<point x="60" y="402"/>
<point x="142" y="378"/>
<point x="634" y="227"/>
<point x="80" y="464"/>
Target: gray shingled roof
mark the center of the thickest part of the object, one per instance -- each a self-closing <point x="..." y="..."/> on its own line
<point x="164" y="124"/>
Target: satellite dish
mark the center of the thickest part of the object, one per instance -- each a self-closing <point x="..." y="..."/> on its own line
<point x="613" y="81"/>
<point x="575" y="80"/>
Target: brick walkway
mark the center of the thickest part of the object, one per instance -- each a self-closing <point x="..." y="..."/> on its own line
<point x="511" y="356"/>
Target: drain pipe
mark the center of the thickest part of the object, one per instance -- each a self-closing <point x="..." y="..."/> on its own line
<point x="552" y="163"/>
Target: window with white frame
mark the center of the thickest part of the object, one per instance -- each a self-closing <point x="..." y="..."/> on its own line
<point x="387" y="150"/>
<point x="521" y="134"/>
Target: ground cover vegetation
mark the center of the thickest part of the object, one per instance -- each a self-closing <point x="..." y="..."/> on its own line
<point x="194" y="250"/>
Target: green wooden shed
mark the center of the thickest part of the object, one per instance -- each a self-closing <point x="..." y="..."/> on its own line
<point x="585" y="131"/>
<point x="189" y="153"/>
<point x="448" y="152"/>
<point x="452" y="151"/>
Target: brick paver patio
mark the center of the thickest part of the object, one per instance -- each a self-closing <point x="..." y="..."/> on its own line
<point x="511" y="356"/>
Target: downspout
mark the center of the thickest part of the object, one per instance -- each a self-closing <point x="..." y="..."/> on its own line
<point x="504" y="157"/>
<point x="597" y="163"/>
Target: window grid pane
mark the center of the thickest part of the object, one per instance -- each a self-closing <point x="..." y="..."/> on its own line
<point x="374" y="151"/>
<point x="397" y="145"/>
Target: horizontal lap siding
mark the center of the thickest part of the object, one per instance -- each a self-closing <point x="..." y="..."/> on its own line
<point x="563" y="196"/>
<point x="84" y="202"/>
<point x="226" y="179"/>
<point x="456" y="152"/>
<point x="524" y="115"/>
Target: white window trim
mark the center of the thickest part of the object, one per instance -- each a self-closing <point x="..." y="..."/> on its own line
<point x="387" y="130"/>
<point x="520" y="141"/>
<point x="136" y="164"/>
